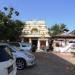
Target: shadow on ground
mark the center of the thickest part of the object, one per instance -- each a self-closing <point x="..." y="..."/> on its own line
<point x="49" y="64"/>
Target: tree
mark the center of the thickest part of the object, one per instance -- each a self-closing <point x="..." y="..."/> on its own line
<point x="57" y="29"/>
<point x="10" y="29"/>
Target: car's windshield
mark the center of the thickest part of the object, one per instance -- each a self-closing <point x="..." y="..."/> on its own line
<point x="25" y="44"/>
<point x="5" y="53"/>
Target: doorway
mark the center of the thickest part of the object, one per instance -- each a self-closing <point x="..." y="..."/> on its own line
<point x="42" y="44"/>
<point x="34" y="45"/>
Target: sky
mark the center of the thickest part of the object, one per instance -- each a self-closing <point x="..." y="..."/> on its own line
<point x="51" y="11"/>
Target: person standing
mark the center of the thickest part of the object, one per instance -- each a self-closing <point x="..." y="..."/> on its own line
<point x="51" y="45"/>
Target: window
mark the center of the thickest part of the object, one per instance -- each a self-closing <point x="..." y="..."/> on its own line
<point x="24" y="45"/>
<point x="71" y="41"/>
<point x="5" y="53"/>
<point x="15" y="44"/>
<point x="73" y="46"/>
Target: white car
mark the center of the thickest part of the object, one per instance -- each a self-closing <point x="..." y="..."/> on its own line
<point x="23" y="58"/>
<point x="21" y="45"/>
<point x="7" y="61"/>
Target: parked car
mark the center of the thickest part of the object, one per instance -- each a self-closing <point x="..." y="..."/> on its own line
<point x="7" y="61"/>
<point x="21" y="45"/>
<point x="23" y="58"/>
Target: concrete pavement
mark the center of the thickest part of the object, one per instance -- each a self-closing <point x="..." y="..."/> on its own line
<point x="49" y="64"/>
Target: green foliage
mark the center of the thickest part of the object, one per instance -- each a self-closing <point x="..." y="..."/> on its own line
<point x="10" y="29"/>
<point x="57" y="29"/>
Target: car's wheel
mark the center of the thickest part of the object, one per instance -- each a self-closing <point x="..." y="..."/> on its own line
<point x="21" y="63"/>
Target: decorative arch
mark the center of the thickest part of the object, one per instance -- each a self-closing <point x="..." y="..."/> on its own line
<point x="34" y="30"/>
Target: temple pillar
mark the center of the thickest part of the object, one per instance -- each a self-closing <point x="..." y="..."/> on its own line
<point x="47" y="44"/>
<point x="30" y="41"/>
<point x="38" y="45"/>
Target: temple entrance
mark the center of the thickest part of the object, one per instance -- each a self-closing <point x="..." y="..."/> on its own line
<point x="42" y="44"/>
<point x="34" y="45"/>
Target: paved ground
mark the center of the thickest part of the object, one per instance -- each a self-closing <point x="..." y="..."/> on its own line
<point x="70" y="57"/>
<point x="49" y="64"/>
